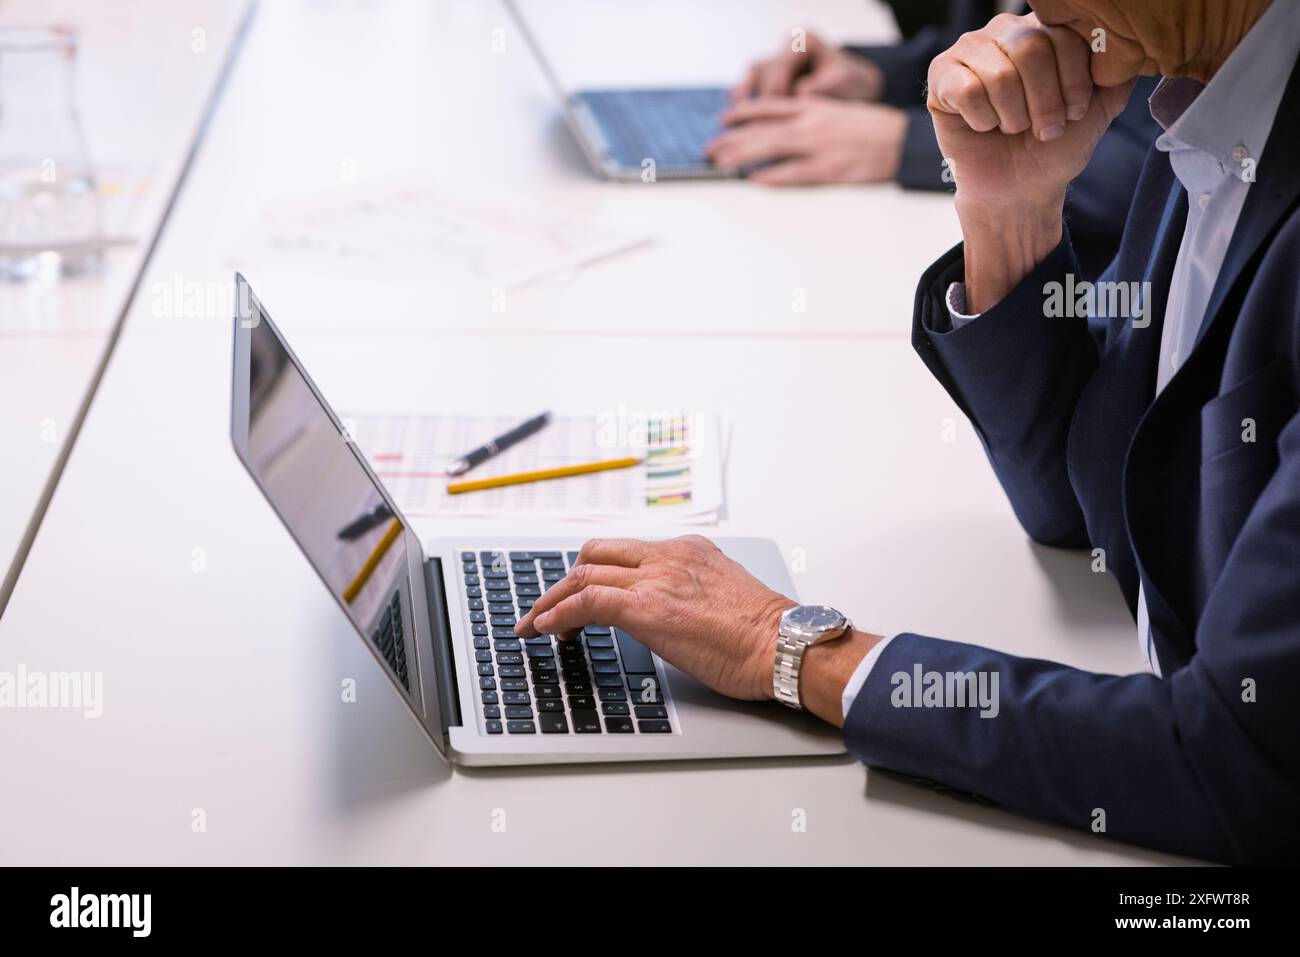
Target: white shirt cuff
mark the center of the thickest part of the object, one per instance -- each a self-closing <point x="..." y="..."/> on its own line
<point x="860" y="675"/>
<point x="956" y="300"/>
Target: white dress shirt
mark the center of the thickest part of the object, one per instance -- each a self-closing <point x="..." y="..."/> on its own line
<point x="1215" y="136"/>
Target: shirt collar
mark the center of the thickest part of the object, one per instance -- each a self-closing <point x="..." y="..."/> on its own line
<point x="1230" y="118"/>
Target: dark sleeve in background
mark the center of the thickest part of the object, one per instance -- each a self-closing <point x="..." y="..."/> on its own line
<point x="915" y="15"/>
<point x="905" y="64"/>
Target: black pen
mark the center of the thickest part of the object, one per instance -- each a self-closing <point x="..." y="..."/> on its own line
<point x="368" y="520"/>
<point x="499" y="444"/>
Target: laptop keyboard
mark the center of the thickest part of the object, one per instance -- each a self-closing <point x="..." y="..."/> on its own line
<point x="604" y="682"/>
<point x="672" y="126"/>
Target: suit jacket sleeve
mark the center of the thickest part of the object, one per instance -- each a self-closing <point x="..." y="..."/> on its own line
<point x="1185" y="764"/>
<point x="1196" y="764"/>
<point x="1013" y="349"/>
<point x="905" y="65"/>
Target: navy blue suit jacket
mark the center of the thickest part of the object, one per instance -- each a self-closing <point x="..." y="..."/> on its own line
<point x="1206" y="760"/>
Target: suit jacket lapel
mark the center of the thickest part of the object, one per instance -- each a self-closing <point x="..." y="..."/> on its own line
<point x="1147" y="512"/>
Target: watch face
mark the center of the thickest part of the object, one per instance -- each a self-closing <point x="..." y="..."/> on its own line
<point x="814" y="617"/>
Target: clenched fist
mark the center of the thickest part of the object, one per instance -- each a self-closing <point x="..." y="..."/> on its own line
<point x="1017" y="115"/>
<point x="1016" y="111"/>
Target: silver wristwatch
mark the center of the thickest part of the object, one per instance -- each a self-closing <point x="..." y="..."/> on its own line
<point x="801" y="627"/>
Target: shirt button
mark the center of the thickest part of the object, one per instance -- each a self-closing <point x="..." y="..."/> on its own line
<point x="1203" y="200"/>
<point x="1239" y="153"/>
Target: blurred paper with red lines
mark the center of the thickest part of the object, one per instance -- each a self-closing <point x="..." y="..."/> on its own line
<point x="679" y="480"/>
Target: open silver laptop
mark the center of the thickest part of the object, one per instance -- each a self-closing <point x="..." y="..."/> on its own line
<point x="629" y="133"/>
<point x="439" y="616"/>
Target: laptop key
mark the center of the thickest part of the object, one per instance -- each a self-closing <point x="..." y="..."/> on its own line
<point x="493" y="727"/>
<point x="516" y="697"/>
<point x="511" y="671"/>
<point x="506" y="644"/>
<point x="475" y="604"/>
<point x="646" y="695"/>
<point x="480" y="631"/>
<point x="540" y="651"/>
<point x="600" y="654"/>
<point x="609" y="681"/>
<point x="480" y="644"/>
<point x="503" y="633"/>
<point x="585" y="722"/>
<point x="637" y="659"/>
<point x="485" y="670"/>
<point x="577" y="687"/>
<point x="600" y="643"/>
<point x="654" y="727"/>
<point x="606" y="668"/>
<point x="618" y="725"/>
<point x="613" y="707"/>
<point x="548" y="690"/>
<point x="650" y="711"/>
<point x="545" y="678"/>
<point x="518" y="711"/>
<point x="611" y="694"/>
<point x="553" y="723"/>
<point x="489" y="697"/>
<point x="581" y="702"/>
<point x="514" y="684"/>
<point x="509" y="658"/>
<point x="550" y="705"/>
<point x="491" y="711"/>
<point x="596" y="630"/>
<point x="525" y="727"/>
<point x="482" y="656"/>
<point x="539" y="640"/>
<point x="473" y="591"/>
<point x="552" y="564"/>
<point x="542" y="664"/>
<point x="487" y="684"/>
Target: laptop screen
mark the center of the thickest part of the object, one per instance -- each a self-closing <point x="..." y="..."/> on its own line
<point x="313" y="476"/>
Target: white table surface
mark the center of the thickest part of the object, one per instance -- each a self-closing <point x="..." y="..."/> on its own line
<point x="140" y="114"/>
<point x="221" y="685"/>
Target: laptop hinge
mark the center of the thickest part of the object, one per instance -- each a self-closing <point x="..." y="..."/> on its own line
<point x="444" y="665"/>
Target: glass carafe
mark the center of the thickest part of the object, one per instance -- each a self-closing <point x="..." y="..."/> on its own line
<point x="49" y="209"/>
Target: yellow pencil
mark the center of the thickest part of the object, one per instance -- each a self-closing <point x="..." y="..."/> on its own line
<point x="456" y="488"/>
<point x="368" y="569"/>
